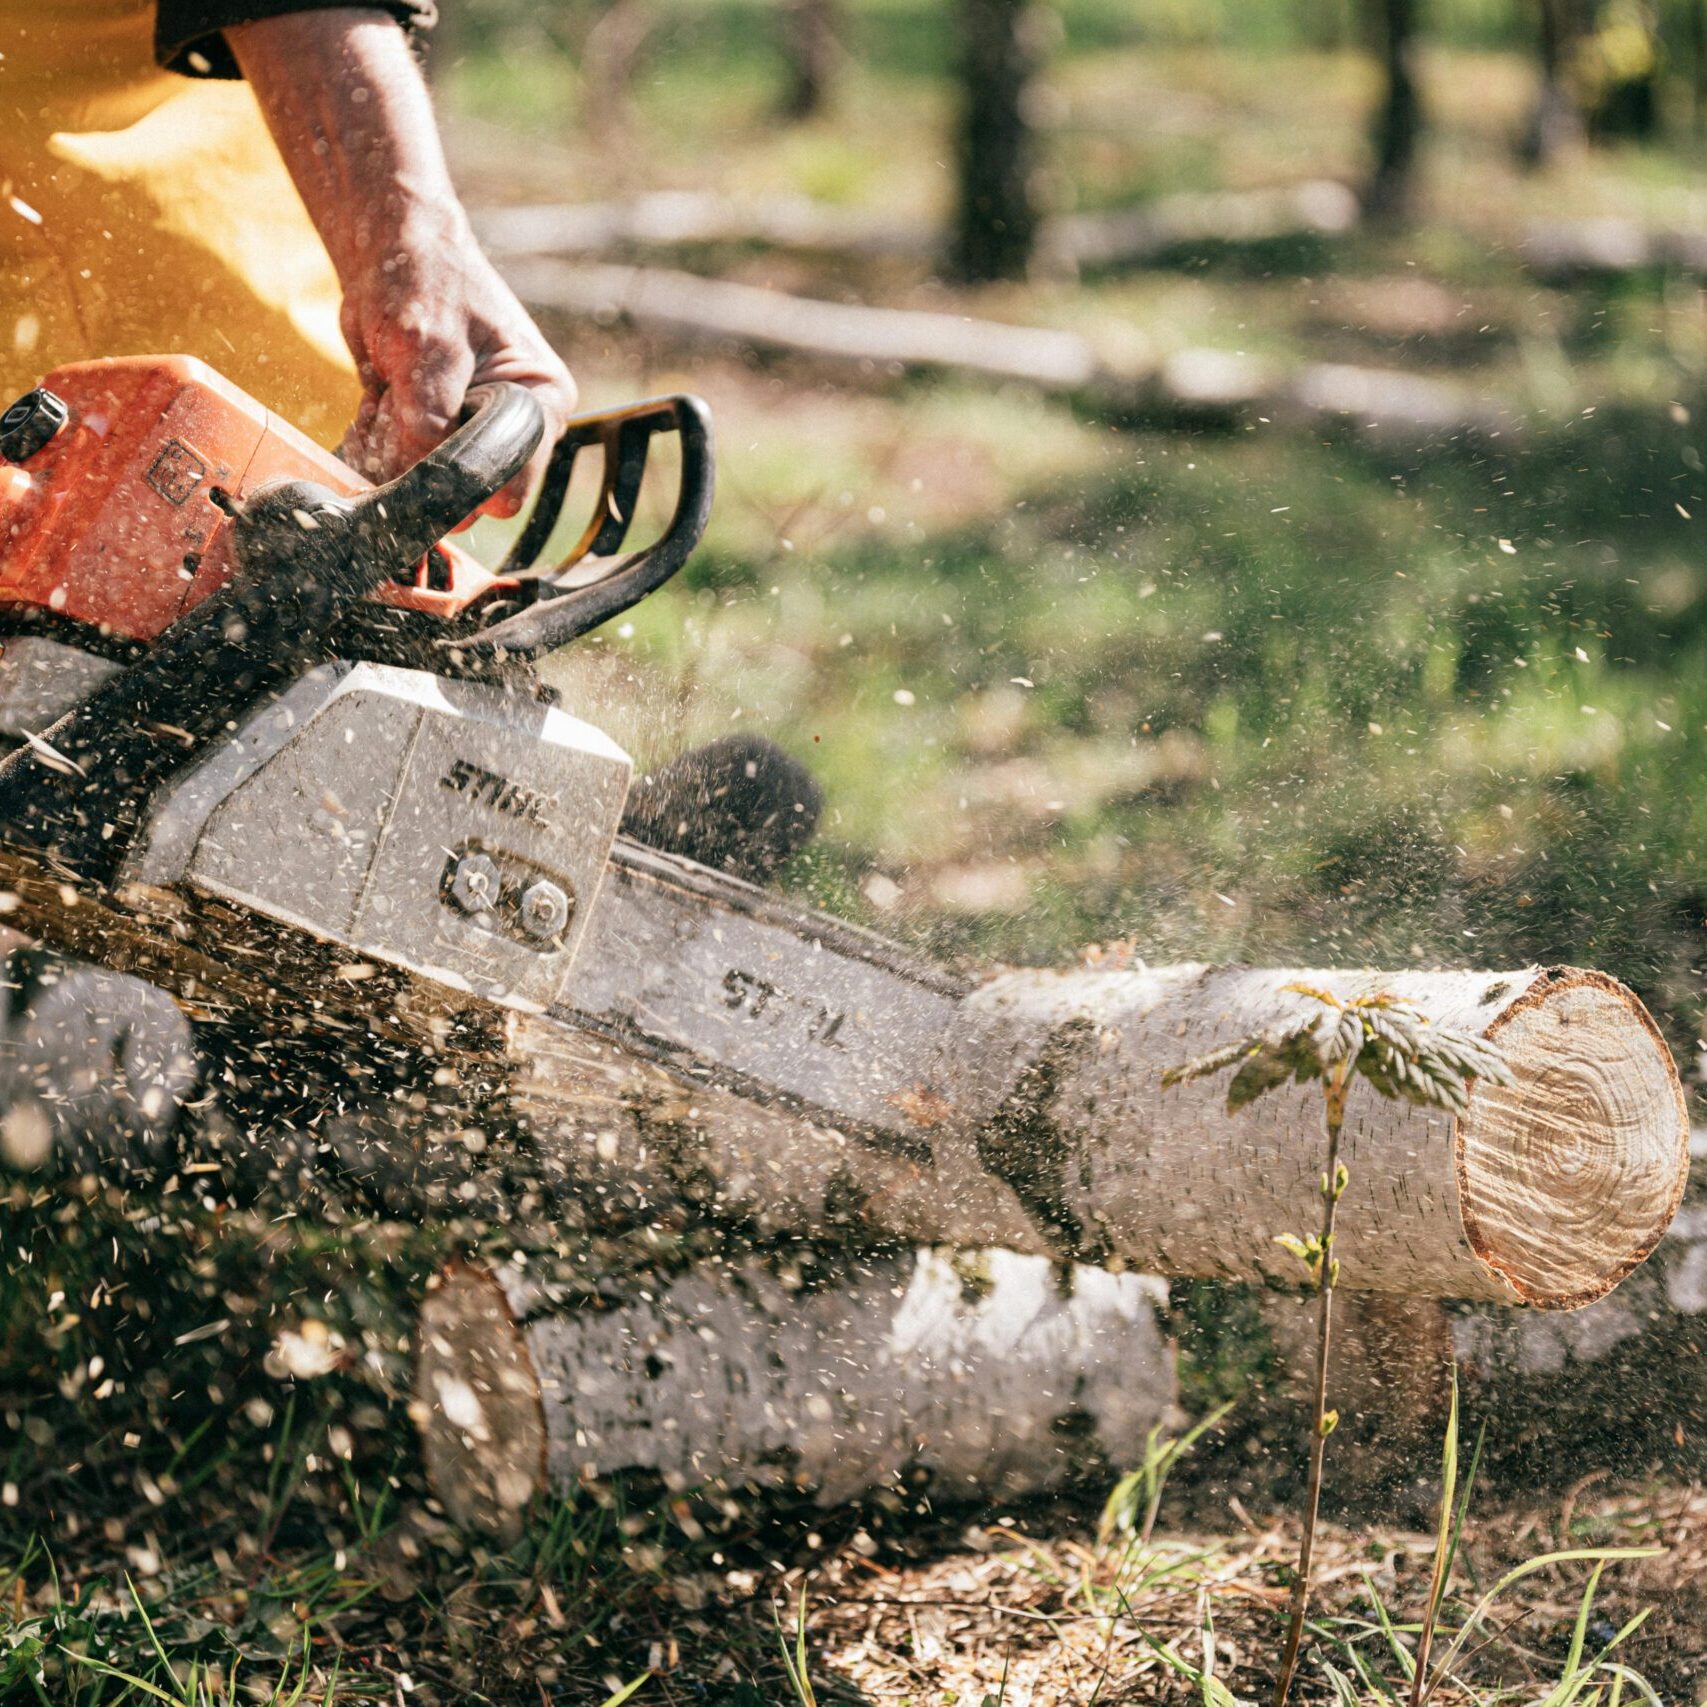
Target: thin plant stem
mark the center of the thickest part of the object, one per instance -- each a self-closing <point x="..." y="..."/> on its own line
<point x="1334" y="1112"/>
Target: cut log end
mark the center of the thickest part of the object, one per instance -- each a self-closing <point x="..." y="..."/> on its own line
<point x="478" y="1405"/>
<point x="1568" y="1179"/>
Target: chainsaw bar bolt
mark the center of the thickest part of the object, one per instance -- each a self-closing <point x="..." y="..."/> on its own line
<point x="475" y="883"/>
<point x="544" y="910"/>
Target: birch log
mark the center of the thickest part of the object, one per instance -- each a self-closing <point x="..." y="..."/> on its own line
<point x="1036" y="1120"/>
<point x="999" y="1375"/>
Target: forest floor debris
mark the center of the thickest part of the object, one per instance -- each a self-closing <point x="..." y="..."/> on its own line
<point x="932" y="1610"/>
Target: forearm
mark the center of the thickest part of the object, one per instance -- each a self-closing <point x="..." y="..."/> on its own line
<point x="349" y="111"/>
<point x="425" y="314"/>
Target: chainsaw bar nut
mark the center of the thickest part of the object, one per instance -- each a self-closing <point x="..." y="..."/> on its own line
<point x="544" y="910"/>
<point x="475" y="884"/>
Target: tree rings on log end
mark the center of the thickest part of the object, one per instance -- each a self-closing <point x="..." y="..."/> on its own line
<point x="478" y="1398"/>
<point x="1568" y="1179"/>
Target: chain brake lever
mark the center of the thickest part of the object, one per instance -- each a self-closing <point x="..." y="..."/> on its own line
<point x="595" y="580"/>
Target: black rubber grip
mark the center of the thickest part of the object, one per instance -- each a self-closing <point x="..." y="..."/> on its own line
<point x="405" y="519"/>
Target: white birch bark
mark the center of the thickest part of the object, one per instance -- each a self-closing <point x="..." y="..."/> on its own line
<point x="998" y="1374"/>
<point x="1041" y="1125"/>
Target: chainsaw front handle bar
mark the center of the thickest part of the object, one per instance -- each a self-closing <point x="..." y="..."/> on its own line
<point x="593" y="583"/>
<point x="407" y="517"/>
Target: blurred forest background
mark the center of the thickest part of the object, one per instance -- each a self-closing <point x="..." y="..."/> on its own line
<point x="1345" y="602"/>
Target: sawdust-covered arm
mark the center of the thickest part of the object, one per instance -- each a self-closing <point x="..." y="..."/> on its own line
<point x="425" y="314"/>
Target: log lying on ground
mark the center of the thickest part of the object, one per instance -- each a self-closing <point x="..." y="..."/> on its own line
<point x="1546" y="1193"/>
<point x="659" y="299"/>
<point x="1135" y="236"/>
<point x="1562" y="250"/>
<point x="681" y="219"/>
<point x="1037" y="1121"/>
<point x="998" y="1374"/>
<point x="1194" y="386"/>
<point x="1104" y="238"/>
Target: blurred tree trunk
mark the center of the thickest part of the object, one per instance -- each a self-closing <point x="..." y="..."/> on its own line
<point x="810" y="47"/>
<point x="608" y="56"/>
<point x="997" y="220"/>
<point x="1698" y="62"/>
<point x="1398" y="123"/>
<point x="1556" y="122"/>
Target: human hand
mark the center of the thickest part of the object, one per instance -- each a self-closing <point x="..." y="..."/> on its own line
<point x="426" y="325"/>
<point x="425" y="314"/>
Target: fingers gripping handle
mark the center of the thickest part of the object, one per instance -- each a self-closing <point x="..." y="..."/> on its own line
<point x="380" y="533"/>
<point x="502" y="428"/>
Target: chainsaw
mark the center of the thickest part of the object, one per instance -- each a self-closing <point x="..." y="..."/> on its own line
<point x="283" y="751"/>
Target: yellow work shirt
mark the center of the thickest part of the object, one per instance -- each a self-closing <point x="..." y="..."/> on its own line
<point x="145" y="213"/>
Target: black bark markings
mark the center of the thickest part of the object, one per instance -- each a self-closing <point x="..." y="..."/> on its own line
<point x="1023" y="1147"/>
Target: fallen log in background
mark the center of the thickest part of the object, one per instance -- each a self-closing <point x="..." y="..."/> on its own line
<point x="661" y="299"/>
<point x="1102" y="238"/>
<point x="997" y="1374"/>
<point x="1194" y="386"/>
<point x="1030" y="1115"/>
<point x="682" y="219"/>
<point x="1109" y="239"/>
<point x="1147" y="232"/>
<point x="1564" y="250"/>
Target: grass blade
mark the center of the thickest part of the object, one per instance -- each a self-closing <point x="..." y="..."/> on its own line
<point x="1444" y="1548"/>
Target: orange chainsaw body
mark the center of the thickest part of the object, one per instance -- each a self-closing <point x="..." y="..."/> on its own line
<point x="122" y="519"/>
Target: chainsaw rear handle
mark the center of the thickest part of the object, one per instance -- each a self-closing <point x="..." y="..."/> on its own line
<point x="591" y="584"/>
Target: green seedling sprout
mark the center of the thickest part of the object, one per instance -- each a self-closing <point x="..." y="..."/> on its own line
<point x="1399" y="1052"/>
